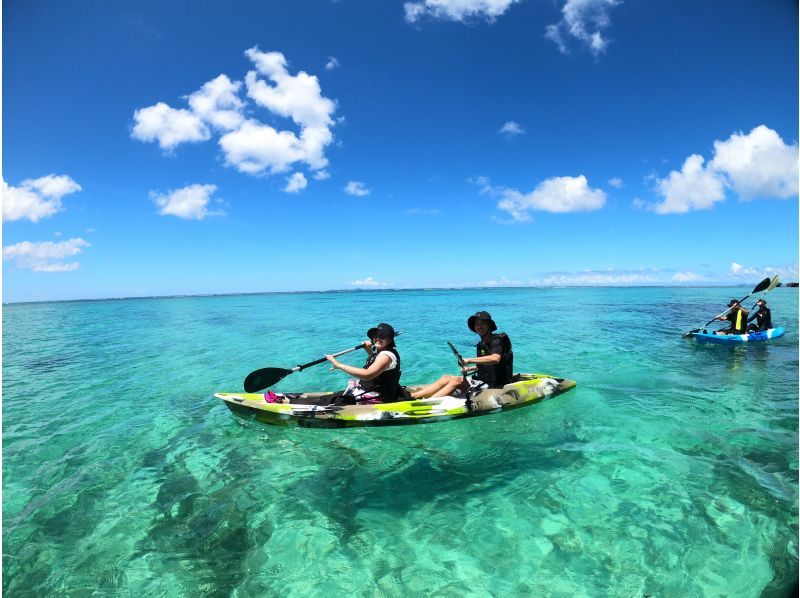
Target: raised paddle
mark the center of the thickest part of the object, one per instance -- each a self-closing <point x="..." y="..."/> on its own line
<point x="265" y="377"/>
<point x="775" y="282"/>
<point x="759" y="287"/>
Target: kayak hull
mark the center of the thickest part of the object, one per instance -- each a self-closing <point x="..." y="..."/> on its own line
<point x="739" y="339"/>
<point x="526" y="389"/>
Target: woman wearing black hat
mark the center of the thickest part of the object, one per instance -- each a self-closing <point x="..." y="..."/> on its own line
<point x="379" y="380"/>
<point x="493" y="363"/>
<point x="737" y="316"/>
<point x="763" y="318"/>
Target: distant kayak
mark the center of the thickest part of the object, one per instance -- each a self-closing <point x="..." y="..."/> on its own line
<point x="738" y="339"/>
<point x="304" y="408"/>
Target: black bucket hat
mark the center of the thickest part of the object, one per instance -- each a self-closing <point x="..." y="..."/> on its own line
<point x="733" y="302"/>
<point x="481" y="315"/>
<point x="384" y="328"/>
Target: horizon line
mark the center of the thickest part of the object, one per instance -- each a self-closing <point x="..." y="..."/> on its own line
<point x="391" y="289"/>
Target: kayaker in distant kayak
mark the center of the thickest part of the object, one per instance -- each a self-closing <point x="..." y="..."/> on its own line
<point x="763" y="318"/>
<point x="493" y="364"/>
<point x="737" y="316"/>
<point x="379" y="380"/>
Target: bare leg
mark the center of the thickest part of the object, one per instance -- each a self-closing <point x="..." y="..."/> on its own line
<point x="449" y="388"/>
<point x="430" y="389"/>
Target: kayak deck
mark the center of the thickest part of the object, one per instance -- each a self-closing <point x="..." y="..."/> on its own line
<point x="302" y="410"/>
<point x="737" y="339"/>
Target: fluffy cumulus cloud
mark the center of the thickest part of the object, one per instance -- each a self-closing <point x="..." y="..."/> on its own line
<point x="45" y="256"/>
<point x="758" y="165"/>
<point x="356" y="188"/>
<point x="248" y="144"/>
<point x="557" y="195"/>
<point x="754" y="165"/>
<point x="456" y="10"/>
<point x="296" y="183"/>
<point x="693" y="188"/>
<point x="189" y="203"/>
<point x="583" y="21"/>
<point x="35" y="199"/>
<point x="511" y="130"/>
<point x="168" y="126"/>
<point x="218" y="104"/>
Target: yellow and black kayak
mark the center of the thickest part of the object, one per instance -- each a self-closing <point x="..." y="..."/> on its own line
<point x="310" y="409"/>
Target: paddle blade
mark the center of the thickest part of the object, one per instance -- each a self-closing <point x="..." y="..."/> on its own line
<point x="264" y="378"/>
<point x="762" y="285"/>
<point x="775" y="282"/>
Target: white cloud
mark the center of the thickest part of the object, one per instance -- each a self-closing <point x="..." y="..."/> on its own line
<point x="217" y="103"/>
<point x="356" y="188"/>
<point x="616" y="182"/>
<point x="298" y="97"/>
<point x="45" y="256"/>
<point x="456" y="10"/>
<point x="502" y="282"/>
<point x="368" y="282"/>
<point x="38" y="198"/>
<point x="584" y="21"/>
<point x="255" y="148"/>
<point x="758" y="165"/>
<point x="189" y="203"/>
<point x="686" y="277"/>
<point x="332" y="63"/>
<point x="247" y="144"/>
<point x="322" y="175"/>
<point x="556" y="195"/>
<point x="296" y="183"/>
<point x="787" y="272"/>
<point x="511" y="129"/>
<point x="595" y="278"/>
<point x="168" y="126"/>
<point x="693" y="188"/>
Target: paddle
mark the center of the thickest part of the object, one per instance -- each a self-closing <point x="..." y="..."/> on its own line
<point x="775" y="282"/>
<point x="266" y="377"/>
<point x="460" y="359"/>
<point x="759" y="287"/>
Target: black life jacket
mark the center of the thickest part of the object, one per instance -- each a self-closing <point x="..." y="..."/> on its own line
<point x="387" y="383"/>
<point x="501" y="373"/>
<point x="763" y="318"/>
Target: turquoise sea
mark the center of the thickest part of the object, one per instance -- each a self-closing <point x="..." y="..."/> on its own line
<point x="671" y="470"/>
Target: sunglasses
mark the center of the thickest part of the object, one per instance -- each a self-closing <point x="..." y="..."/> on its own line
<point x="379" y="336"/>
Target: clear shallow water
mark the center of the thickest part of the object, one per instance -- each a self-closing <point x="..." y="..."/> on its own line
<point x="671" y="470"/>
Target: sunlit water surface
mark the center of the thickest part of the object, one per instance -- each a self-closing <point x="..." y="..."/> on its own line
<point x="671" y="470"/>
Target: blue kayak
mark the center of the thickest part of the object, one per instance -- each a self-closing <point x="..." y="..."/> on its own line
<point x="738" y="339"/>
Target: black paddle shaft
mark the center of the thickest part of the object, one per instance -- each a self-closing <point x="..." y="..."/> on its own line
<point x="260" y="379"/>
<point x="297" y="368"/>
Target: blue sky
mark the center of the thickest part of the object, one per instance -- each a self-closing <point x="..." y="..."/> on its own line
<point x="161" y="148"/>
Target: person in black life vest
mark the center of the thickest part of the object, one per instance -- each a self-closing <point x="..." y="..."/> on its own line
<point x="493" y="364"/>
<point x="763" y="318"/>
<point x="737" y="316"/>
<point x="379" y="380"/>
